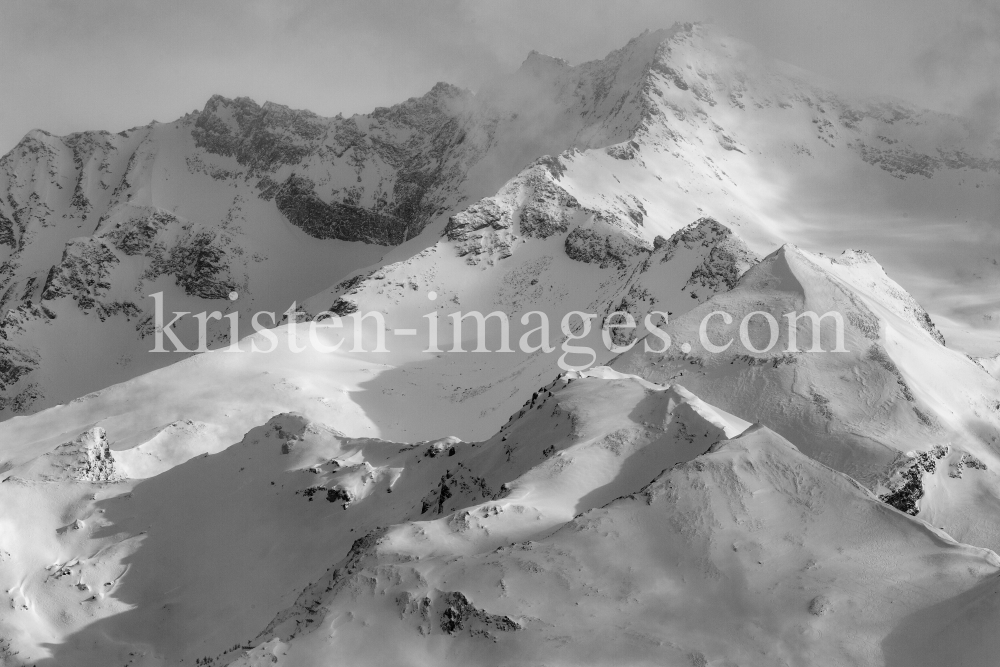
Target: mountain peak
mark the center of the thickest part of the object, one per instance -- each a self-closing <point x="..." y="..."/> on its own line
<point x="756" y="436"/>
<point x="216" y="101"/>
<point x="648" y="40"/>
<point x="537" y="62"/>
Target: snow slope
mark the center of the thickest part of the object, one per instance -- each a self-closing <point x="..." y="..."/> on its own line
<point x="558" y="539"/>
<point x="870" y="411"/>
<point x="106" y="542"/>
<point x="740" y="555"/>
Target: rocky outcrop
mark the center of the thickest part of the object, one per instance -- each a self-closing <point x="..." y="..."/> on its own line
<point x="83" y="274"/>
<point x="456" y="488"/>
<point x="87" y="458"/>
<point x="536" y="205"/>
<point x="909" y="488"/>
<point x="16" y="365"/>
<point x="714" y="255"/>
<point x="460" y="614"/>
<point x="297" y="200"/>
<point x="198" y="264"/>
<point x="549" y="208"/>
<point x="905" y="162"/>
<point x="901" y="163"/>
<point x="727" y="259"/>
<point x="7" y="236"/>
<point x="603" y="247"/>
<point x="197" y="260"/>
<point x="483" y="229"/>
<point x="137" y="235"/>
<point x="260" y="137"/>
<point x="96" y="464"/>
<point x="414" y="152"/>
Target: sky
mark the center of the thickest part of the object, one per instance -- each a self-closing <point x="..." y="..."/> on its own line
<point x="71" y="65"/>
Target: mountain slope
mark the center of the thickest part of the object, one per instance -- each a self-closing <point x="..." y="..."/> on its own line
<point x="895" y="409"/>
<point x="291" y="495"/>
<point x="741" y="555"/>
<point x="277" y="204"/>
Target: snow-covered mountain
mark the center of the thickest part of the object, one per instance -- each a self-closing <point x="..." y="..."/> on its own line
<point x="896" y="410"/>
<point x="664" y="504"/>
<point x="276" y="204"/>
<point x="558" y="538"/>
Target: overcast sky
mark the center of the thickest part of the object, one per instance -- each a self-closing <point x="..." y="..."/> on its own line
<point x="69" y="65"/>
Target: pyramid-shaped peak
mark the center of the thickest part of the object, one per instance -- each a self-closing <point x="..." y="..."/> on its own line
<point x="783" y="270"/>
<point x="790" y="268"/>
<point x="790" y="255"/>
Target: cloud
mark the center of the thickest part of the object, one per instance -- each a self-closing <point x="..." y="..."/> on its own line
<point x="961" y="70"/>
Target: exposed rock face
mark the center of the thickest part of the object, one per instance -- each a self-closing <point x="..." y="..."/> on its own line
<point x="910" y="488"/>
<point x="549" y="209"/>
<point x="604" y="249"/>
<point x="460" y="614"/>
<point x="399" y="158"/>
<point x="7" y="236"/>
<point x="15" y="364"/>
<point x="535" y="205"/>
<point x="964" y="460"/>
<point x="820" y="606"/>
<point x="728" y="257"/>
<point x="905" y="162"/>
<point x="197" y="261"/>
<point x="259" y="137"/>
<point x="88" y="221"/>
<point x="82" y="274"/>
<point x="482" y="229"/>
<point x="96" y="464"/>
<point x="86" y="458"/>
<point x="198" y="264"/>
<point x="715" y="257"/>
<point x="137" y="235"/>
<point x="297" y="200"/>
